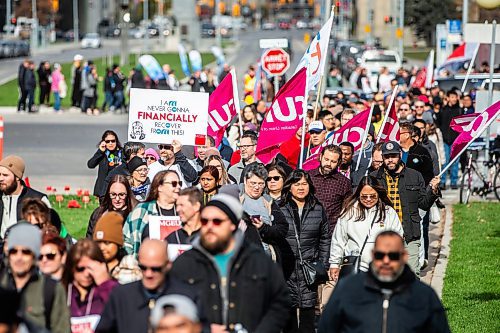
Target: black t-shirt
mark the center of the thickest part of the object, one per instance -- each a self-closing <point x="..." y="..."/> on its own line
<point x="181" y="237"/>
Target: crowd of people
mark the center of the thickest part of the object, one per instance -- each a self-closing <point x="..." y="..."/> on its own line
<point x="266" y="248"/>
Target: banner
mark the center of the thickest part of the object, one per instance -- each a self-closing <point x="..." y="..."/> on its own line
<point x="184" y="60"/>
<point x="222" y="106"/>
<point x="283" y="118"/>
<point x="424" y="75"/>
<point x="474" y="129"/>
<point x="353" y="132"/>
<point x="161" y="116"/>
<point x="162" y="226"/>
<point x="461" y="123"/>
<point x="152" y="67"/>
<point x="317" y="54"/>
<point x="195" y="60"/>
<point x="390" y="132"/>
<point x="175" y="250"/>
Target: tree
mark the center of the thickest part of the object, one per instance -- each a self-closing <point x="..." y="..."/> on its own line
<point x="423" y="15"/>
<point x="43" y="8"/>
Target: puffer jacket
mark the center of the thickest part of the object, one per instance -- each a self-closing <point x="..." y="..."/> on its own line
<point x="315" y="245"/>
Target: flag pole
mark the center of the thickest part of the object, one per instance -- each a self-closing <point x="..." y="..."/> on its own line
<point x="236" y="99"/>
<point x="386" y="116"/>
<point x="469" y="70"/>
<point x="304" y="116"/>
<point x="365" y="135"/>
<point x="467" y="145"/>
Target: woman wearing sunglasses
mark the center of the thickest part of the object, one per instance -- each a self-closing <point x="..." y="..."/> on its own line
<point x="151" y="156"/>
<point x="52" y="254"/>
<point x="209" y="182"/>
<point x="365" y="214"/>
<point x="107" y="157"/>
<point x="275" y="181"/>
<point x="87" y="282"/>
<point x="163" y="193"/>
<point x="118" y="198"/>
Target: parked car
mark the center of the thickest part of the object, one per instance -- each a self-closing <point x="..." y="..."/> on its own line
<point x="268" y="26"/>
<point x="284" y="25"/>
<point x="207" y="30"/>
<point x="373" y="60"/>
<point x="303" y="24"/>
<point x="91" y="40"/>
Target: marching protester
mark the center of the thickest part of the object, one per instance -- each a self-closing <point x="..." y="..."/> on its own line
<point x="163" y="193"/>
<point x="172" y="158"/>
<point x="368" y="212"/>
<point x="376" y="163"/>
<point x="36" y="212"/>
<point x="390" y="291"/>
<point x="53" y="255"/>
<point x="307" y="242"/>
<point x="209" y="182"/>
<point x="347" y="166"/>
<point x="128" y="309"/>
<point x="247" y="145"/>
<point x="139" y="181"/>
<point x="43" y="300"/>
<point x="175" y="313"/>
<point x="275" y="181"/>
<point x="414" y="155"/>
<point x="188" y="206"/>
<point x="118" y="197"/>
<point x="220" y="264"/>
<point x="199" y="161"/>
<point x="151" y="156"/>
<point x="106" y="158"/>
<point x="421" y="137"/>
<point x="218" y="162"/>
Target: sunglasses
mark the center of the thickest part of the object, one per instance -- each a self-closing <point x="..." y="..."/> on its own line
<point x="122" y="195"/>
<point x="151" y="158"/>
<point x="167" y="147"/>
<point x="404" y="109"/>
<point x="50" y="256"/>
<point x="25" y="252"/>
<point x="275" y="178"/>
<point x="174" y="183"/>
<point x="205" y="221"/>
<point x="393" y="256"/>
<point x="109" y="141"/>
<point x="369" y="196"/>
<point x="154" y="269"/>
<point x="80" y="269"/>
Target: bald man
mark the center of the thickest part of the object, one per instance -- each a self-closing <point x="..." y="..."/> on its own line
<point x="129" y="305"/>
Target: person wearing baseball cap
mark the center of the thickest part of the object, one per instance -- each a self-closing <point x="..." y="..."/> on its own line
<point x="221" y="259"/>
<point x="13" y="191"/>
<point x="407" y="190"/>
<point x="175" y="314"/>
<point x="317" y="130"/>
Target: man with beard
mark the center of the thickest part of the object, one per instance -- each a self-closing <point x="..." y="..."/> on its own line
<point x="346" y="167"/>
<point x="389" y="286"/>
<point x="13" y="191"/>
<point x="407" y="190"/>
<point x="248" y="143"/>
<point x="238" y="282"/>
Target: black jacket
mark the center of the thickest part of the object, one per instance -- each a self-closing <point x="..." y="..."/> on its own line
<point x="29" y="79"/>
<point x="420" y="159"/>
<point x="313" y="230"/>
<point x="100" y="159"/>
<point x="443" y="120"/>
<point x="43" y="75"/>
<point x="414" y="195"/>
<point x="356" y="305"/>
<point x="256" y="294"/>
<point x="432" y="149"/>
<point x="20" y="76"/>
<point x="127" y="310"/>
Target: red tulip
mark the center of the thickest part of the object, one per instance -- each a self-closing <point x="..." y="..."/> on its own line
<point x="86" y="199"/>
<point x="66" y="188"/>
<point x="48" y="188"/>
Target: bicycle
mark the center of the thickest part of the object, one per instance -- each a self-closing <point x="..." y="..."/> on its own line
<point x="475" y="182"/>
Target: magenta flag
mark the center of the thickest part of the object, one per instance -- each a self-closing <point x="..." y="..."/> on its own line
<point x="222" y="107"/>
<point x="460" y="123"/>
<point x="390" y="132"/>
<point x="283" y="118"/>
<point x="474" y="129"/>
<point x="353" y="132"/>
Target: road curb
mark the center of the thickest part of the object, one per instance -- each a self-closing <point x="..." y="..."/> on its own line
<point x="439" y="272"/>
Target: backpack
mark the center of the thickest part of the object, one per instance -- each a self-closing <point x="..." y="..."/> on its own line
<point x="49" y="293"/>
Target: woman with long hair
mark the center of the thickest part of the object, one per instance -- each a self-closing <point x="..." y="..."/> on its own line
<point x="106" y="158"/>
<point x="248" y="115"/>
<point x="163" y="193"/>
<point x="117" y="198"/>
<point x="209" y="182"/>
<point x="87" y="281"/>
<point x="306" y="240"/>
<point x="364" y="215"/>
<point x="216" y="161"/>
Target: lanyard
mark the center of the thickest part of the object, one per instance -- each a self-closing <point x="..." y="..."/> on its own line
<point x="159" y="210"/>
<point x="89" y="302"/>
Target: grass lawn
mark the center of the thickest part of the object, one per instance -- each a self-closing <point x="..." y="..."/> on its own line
<point x="9" y="93"/>
<point x="416" y="53"/>
<point x="75" y="219"/>
<point x="471" y="291"/>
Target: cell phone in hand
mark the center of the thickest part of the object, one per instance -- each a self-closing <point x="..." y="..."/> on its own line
<point x="255" y="216"/>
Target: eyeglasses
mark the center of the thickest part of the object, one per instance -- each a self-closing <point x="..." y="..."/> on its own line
<point x="50" y="256"/>
<point x="174" y="183"/>
<point x="419" y="106"/>
<point x="110" y="141"/>
<point x="151" y="158"/>
<point x="142" y="170"/>
<point x="80" y="269"/>
<point x="275" y="178"/>
<point x="154" y="269"/>
<point x="245" y="146"/>
<point x="215" y="221"/>
<point x="369" y="196"/>
<point x="393" y="256"/>
<point x="404" y="109"/>
<point x="122" y="195"/>
<point x="25" y="252"/>
<point x="167" y="147"/>
<point x="255" y="184"/>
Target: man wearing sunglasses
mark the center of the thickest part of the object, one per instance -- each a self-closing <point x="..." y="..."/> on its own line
<point x="238" y="283"/>
<point x="129" y="306"/>
<point x="43" y="300"/>
<point x="383" y="296"/>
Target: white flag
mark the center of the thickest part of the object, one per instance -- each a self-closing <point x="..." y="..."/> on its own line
<point x="317" y="54"/>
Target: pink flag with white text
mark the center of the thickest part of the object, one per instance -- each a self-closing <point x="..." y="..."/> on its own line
<point x="460" y="123"/>
<point x="222" y="107"/>
<point x="353" y="132"/>
<point x="474" y="129"/>
<point x="390" y="132"/>
<point x="283" y="118"/>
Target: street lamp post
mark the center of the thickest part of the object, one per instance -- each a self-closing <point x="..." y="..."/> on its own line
<point x="76" y="32"/>
<point x="465" y="13"/>
<point x="146" y="18"/>
<point x="34" y="27"/>
<point x="8" y="17"/>
<point x="401" y="27"/>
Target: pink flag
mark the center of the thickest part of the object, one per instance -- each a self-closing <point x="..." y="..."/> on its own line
<point x="353" y="132"/>
<point x="460" y="123"/>
<point x="390" y="132"/>
<point x="474" y="129"/>
<point x="222" y="107"/>
<point x="283" y="118"/>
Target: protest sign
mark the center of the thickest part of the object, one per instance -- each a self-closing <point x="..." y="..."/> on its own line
<point x="161" y="116"/>
<point x="162" y="226"/>
<point x="175" y="250"/>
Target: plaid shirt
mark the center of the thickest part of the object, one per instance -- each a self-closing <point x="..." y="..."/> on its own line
<point x="331" y="190"/>
<point x="393" y="193"/>
<point x="135" y="224"/>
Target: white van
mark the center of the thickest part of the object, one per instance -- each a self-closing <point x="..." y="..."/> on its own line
<point x="374" y="60"/>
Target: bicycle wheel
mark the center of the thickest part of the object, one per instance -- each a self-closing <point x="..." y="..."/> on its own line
<point x="496" y="184"/>
<point x="466" y="186"/>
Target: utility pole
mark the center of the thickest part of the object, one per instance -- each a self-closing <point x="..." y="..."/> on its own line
<point x="401" y="27"/>
<point x="34" y="27"/>
<point x="218" y="37"/>
<point x="8" y="16"/>
<point x="146" y="19"/>
<point x="465" y="13"/>
<point x="124" y="19"/>
<point x="76" y="28"/>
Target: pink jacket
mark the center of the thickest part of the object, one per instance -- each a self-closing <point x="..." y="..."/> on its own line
<point x="56" y="78"/>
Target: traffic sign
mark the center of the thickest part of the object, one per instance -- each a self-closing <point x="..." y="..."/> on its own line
<point x="275" y="62"/>
<point x="274" y="42"/>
